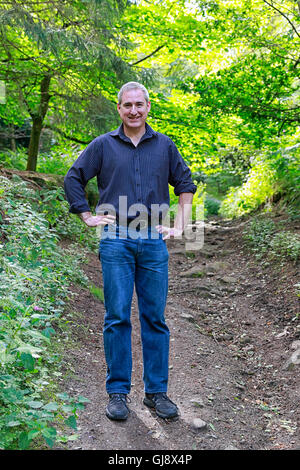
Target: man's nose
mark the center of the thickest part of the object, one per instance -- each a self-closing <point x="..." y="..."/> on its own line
<point x="133" y="110"/>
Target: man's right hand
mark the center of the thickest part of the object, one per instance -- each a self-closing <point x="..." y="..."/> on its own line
<point x="95" y="220"/>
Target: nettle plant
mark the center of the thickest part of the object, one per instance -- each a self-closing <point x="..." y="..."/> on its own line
<point x="267" y="239"/>
<point x="35" y="274"/>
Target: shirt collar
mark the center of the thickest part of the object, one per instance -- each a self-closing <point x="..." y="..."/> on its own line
<point x="120" y="133"/>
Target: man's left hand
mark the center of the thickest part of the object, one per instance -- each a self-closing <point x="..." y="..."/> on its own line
<point x="170" y="232"/>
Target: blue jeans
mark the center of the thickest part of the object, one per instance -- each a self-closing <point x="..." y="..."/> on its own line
<point x="143" y="263"/>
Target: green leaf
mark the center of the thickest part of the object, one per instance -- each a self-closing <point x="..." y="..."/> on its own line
<point x="24" y="440"/>
<point x="68" y="408"/>
<point x="63" y="396"/>
<point x="13" y="423"/>
<point x="33" y="433"/>
<point x="49" y="435"/>
<point x="82" y="399"/>
<point x="12" y="395"/>
<point x="35" y="404"/>
<point x="48" y="332"/>
<point x="28" y="361"/>
<point x="71" y="421"/>
<point x="52" y="406"/>
<point x="29" y="349"/>
<point x="49" y="432"/>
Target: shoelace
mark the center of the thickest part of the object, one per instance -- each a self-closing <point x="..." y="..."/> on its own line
<point x="120" y="397"/>
<point x="162" y="396"/>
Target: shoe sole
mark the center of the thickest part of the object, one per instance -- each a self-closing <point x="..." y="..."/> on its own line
<point x="151" y="405"/>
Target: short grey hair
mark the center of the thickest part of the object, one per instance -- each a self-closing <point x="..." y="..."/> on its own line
<point x="133" y="86"/>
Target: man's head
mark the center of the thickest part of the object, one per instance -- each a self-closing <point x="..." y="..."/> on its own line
<point x="133" y="105"/>
<point x="133" y="86"/>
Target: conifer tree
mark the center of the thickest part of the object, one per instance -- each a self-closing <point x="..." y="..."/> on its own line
<point x="60" y="60"/>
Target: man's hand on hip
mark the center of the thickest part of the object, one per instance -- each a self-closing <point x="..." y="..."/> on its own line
<point x="170" y="232"/>
<point x="95" y="220"/>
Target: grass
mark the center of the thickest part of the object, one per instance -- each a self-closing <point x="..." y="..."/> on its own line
<point x="97" y="292"/>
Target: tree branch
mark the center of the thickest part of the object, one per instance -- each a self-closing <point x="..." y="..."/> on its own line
<point x="285" y="16"/>
<point x="147" y="56"/>
<point x="68" y="137"/>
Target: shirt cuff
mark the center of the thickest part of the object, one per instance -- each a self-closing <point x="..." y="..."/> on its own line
<point x="185" y="188"/>
<point x="78" y="208"/>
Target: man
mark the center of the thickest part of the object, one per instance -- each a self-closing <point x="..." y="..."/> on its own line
<point x="137" y="164"/>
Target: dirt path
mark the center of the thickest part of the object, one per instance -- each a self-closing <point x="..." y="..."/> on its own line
<point x="233" y="326"/>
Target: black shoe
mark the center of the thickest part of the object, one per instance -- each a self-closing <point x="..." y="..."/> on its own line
<point x="117" y="407"/>
<point x="163" y="406"/>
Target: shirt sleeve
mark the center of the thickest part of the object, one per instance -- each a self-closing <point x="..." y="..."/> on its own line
<point x="87" y="165"/>
<point x="180" y="176"/>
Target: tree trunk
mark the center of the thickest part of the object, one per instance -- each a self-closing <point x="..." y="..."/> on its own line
<point x="34" y="143"/>
<point x="13" y="144"/>
<point x="37" y="124"/>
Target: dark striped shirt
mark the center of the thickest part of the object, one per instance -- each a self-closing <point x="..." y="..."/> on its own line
<point x="141" y="173"/>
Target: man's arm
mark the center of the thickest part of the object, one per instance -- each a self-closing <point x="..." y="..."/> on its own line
<point x="181" y="219"/>
<point x="86" y="167"/>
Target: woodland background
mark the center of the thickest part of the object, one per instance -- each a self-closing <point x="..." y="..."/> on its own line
<point x="223" y="77"/>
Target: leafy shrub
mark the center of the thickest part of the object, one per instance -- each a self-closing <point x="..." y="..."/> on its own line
<point x="271" y="174"/>
<point x="14" y="159"/>
<point x="259" y="234"/>
<point x="258" y="187"/>
<point x="211" y="206"/>
<point x="264" y="240"/>
<point x="55" y="208"/>
<point x="35" y="273"/>
<point x="219" y="183"/>
<point x="286" y="244"/>
<point x="59" y="160"/>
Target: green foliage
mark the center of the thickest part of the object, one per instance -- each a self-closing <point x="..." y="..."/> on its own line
<point x="197" y="212"/>
<point x="223" y="80"/>
<point x="12" y="159"/>
<point x="259" y="235"/>
<point x="286" y="244"/>
<point x="97" y="292"/>
<point x="218" y="184"/>
<point x="61" y="64"/>
<point x="211" y="206"/>
<point x="286" y="164"/>
<point x="55" y="209"/>
<point x="226" y="72"/>
<point x="266" y="240"/>
<point x="258" y="187"/>
<point x="59" y="159"/>
<point x="272" y="173"/>
<point x="35" y="273"/>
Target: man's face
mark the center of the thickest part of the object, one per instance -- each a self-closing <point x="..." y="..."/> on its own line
<point x="134" y="109"/>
